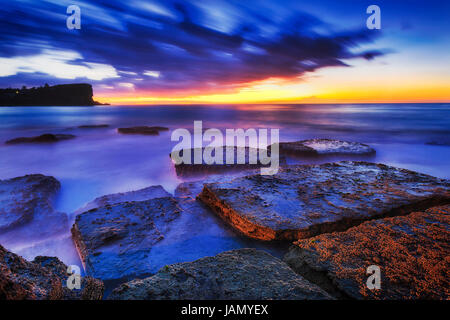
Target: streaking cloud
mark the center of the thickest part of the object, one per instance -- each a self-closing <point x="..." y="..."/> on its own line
<point x="58" y="64"/>
<point x="193" y="45"/>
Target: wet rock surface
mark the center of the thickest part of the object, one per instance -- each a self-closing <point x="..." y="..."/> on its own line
<point x="111" y="239"/>
<point x="240" y="158"/>
<point x="43" y="279"/>
<point x="138" y="195"/>
<point x="323" y="147"/>
<point x="44" y="138"/>
<point x="238" y="274"/>
<point x="22" y="199"/>
<point x="306" y="200"/>
<point x="144" y="130"/>
<point x="412" y="252"/>
<point x="135" y="239"/>
<point x="193" y="188"/>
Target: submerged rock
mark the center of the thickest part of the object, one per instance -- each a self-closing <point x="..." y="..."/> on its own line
<point x="44" y="138"/>
<point x="185" y="169"/>
<point x="145" y="130"/>
<point x="138" y="195"/>
<point x="42" y="279"/>
<point x="411" y="251"/>
<point x="27" y="215"/>
<point x="306" y="200"/>
<point x="60" y="246"/>
<point x="322" y="147"/>
<point x="245" y="274"/>
<point x="93" y="126"/>
<point x="438" y="143"/>
<point x="24" y="198"/>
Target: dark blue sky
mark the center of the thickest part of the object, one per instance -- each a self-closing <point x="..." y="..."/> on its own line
<point x="202" y="46"/>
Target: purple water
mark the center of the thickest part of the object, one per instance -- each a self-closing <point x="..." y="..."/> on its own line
<point x="101" y="161"/>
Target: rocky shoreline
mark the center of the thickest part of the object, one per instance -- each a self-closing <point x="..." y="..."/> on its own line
<point x="42" y="279"/>
<point x="236" y="275"/>
<point x="412" y="251"/>
<point x="336" y="218"/>
<point x="324" y="147"/>
<point x="306" y="200"/>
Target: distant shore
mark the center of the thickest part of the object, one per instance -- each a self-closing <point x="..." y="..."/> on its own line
<point x="78" y="94"/>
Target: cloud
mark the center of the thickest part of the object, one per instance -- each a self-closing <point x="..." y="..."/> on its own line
<point x="58" y="64"/>
<point x="126" y="85"/>
<point x="214" y="46"/>
<point x="154" y="74"/>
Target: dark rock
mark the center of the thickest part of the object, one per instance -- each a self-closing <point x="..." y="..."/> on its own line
<point x="93" y="126"/>
<point x="245" y="274"/>
<point x="324" y="147"/>
<point x="145" y="130"/>
<point x="22" y="198"/>
<point x="412" y="252"/>
<point x="306" y="200"/>
<point x="21" y="279"/>
<point x="44" y="138"/>
<point x="43" y="279"/>
<point x="186" y="169"/>
<point x="91" y="288"/>
<point x="138" y="195"/>
<point x="439" y="143"/>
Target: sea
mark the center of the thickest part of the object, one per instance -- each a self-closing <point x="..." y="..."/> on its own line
<point x="101" y="161"/>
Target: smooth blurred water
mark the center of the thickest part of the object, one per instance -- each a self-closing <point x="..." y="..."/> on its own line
<point x="101" y="161"/>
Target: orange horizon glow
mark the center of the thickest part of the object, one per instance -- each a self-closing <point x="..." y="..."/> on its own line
<point x="417" y="95"/>
<point x="369" y="83"/>
<point x="194" y="101"/>
<point x="286" y="94"/>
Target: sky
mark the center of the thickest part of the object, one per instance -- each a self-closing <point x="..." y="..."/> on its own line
<point x="231" y="51"/>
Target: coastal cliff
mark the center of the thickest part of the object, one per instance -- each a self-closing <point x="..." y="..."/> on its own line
<point x="78" y="94"/>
